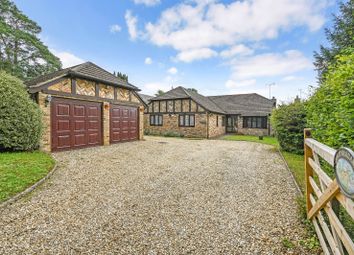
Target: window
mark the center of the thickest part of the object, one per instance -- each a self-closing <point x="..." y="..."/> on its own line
<point x="156" y="120"/>
<point x="223" y="121"/>
<point x="255" y="122"/>
<point x="217" y="121"/>
<point x="186" y="120"/>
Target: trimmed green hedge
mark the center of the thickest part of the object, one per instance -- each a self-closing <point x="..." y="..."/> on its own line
<point x="288" y="122"/>
<point x="20" y="117"/>
<point x="330" y="110"/>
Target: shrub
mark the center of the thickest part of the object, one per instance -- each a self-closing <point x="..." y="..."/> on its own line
<point x="172" y="134"/>
<point x="330" y="110"/>
<point x="288" y="122"/>
<point x="20" y="117"/>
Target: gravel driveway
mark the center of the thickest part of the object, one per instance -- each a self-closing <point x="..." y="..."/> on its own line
<point x="159" y="196"/>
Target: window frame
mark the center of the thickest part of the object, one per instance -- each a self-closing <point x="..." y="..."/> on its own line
<point x="184" y="117"/>
<point x="153" y="117"/>
<point x="257" y="122"/>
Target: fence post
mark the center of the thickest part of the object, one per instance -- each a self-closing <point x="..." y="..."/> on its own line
<point x="308" y="169"/>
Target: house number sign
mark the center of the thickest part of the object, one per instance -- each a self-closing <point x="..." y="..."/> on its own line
<point x="344" y="170"/>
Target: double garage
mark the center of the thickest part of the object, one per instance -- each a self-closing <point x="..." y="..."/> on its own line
<point x="86" y="106"/>
<point x="78" y="124"/>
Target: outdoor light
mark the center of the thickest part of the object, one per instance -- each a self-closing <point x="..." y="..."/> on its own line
<point x="48" y="99"/>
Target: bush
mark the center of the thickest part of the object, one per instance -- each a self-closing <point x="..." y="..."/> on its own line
<point x="20" y="117"/>
<point x="288" y="122"/>
<point x="330" y="110"/>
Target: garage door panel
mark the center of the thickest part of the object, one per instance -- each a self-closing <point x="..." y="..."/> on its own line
<point x="63" y="125"/>
<point x="115" y="124"/>
<point x="75" y="124"/>
<point x="93" y="139"/>
<point x="123" y="123"/>
<point x="79" y="140"/>
<point x="79" y="125"/>
<point x="63" y="141"/>
<point x="93" y="111"/>
<point x="115" y="112"/>
<point x="63" y="109"/>
<point x="93" y="125"/>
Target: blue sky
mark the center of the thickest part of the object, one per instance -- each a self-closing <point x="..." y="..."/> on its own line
<point x="217" y="47"/>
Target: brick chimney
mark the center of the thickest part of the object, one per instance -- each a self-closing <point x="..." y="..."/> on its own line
<point x="274" y="100"/>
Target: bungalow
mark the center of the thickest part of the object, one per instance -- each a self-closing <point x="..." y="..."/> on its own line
<point x="187" y="113"/>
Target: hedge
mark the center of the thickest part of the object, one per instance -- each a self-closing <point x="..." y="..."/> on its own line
<point x="20" y="117"/>
<point x="288" y="122"/>
<point x="330" y="110"/>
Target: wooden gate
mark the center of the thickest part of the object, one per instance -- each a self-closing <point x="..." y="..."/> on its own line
<point x="324" y="198"/>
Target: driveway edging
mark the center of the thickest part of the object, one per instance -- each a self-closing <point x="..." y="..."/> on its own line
<point x="291" y="173"/>
<point x="29" y="189"/>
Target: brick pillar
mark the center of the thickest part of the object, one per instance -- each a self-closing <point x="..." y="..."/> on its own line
<point x="141" y="122"/>
<point x="45" y="143"/>
<point x="106" y="123"/>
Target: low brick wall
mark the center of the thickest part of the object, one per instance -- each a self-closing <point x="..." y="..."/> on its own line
<point x="170" y="125"/>
<point x="250" y="131"/>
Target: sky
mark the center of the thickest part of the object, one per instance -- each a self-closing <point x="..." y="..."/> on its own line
<point x="216" y="47"/>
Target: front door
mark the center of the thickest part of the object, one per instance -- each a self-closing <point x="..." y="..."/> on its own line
<point x="231" y="124"/>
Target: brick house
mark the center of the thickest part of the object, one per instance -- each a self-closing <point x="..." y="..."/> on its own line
<point x="84" y="106"/>
<point x="185" y="112"/>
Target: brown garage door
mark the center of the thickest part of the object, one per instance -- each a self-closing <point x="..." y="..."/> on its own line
<point x="75" y="124"/>
<point x="124" y="123"/>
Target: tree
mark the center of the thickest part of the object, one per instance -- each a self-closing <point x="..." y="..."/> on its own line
<point x="121" y="76"/>
<point x="193" y="90"/>
<point x="340" y="36"/>
<point x="21" y="51"/>
<point x="159" y="93"/>
<point x="20" y="117"/>
<point x="330" y="110"/>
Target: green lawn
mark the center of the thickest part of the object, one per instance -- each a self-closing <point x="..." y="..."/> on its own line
<point x="266" y="139"/>
<point x="19" y="170"/>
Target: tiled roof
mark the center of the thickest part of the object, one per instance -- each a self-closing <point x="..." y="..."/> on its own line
<point x="145" y="98"/>
<point x="244" y="104"/>
<point x="183" y="93"/>
<point x="86" y="70"/>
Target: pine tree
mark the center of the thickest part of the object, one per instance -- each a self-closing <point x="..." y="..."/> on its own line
<point x="21" y="51"/>
<point x="340" y="37"/>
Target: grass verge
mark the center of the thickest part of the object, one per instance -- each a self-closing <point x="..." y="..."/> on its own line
<point x="19" y="170"/>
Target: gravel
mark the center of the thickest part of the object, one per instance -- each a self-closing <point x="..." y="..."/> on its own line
<point x="159" y="196"/>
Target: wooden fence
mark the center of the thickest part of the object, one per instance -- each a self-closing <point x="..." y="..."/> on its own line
<point x="324" y="198"/>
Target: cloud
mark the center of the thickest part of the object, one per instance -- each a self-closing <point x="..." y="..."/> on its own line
<point x="172" y="70"/>
<point x="115" y="29"/>
<point x="269" y="64"/>
<point x="147" y="2"/>
<point x="195" y="25"/>
<point x="148" y="61"/>
<point x="152" y="87"/>
<point x="290" y="78"/>
<point x="237" y="84"/>
<point x="132" y="25"/>
<point x="67" y="59"/>
<point x="195" y="54"/>
<point x="239" y="49"/>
